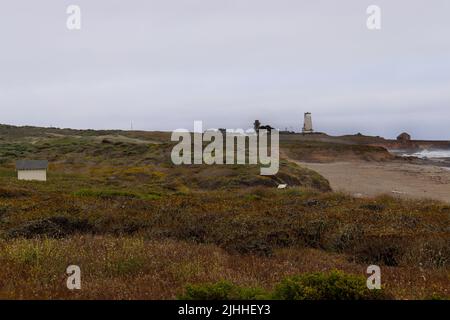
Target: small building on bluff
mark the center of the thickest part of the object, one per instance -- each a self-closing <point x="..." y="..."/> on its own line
<point x="404" y="137"/>
<point x="32" y="170"/>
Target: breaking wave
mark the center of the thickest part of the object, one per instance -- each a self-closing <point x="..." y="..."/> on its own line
<point x="430" y="154"/>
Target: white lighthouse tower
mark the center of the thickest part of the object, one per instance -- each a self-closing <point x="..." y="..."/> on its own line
<point x="307" y="125"/>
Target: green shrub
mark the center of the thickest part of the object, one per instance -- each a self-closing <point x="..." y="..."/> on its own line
<point x="150" y="196"/>
<point x="253" y="197"/>
<point x="437" y="297"/>
<point x="222" y="290"/>
<point x="105" y="194"/>
<point x="335" y="285"/>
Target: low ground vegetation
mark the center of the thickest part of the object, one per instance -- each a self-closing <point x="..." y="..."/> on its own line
<point x="142" y="228"/>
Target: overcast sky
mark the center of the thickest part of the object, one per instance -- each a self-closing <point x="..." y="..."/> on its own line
<point x="163" y="64"/>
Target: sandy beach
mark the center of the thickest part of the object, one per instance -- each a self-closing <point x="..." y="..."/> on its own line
<point x="369" y="179"/>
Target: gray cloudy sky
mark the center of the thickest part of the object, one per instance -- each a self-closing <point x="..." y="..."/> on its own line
<point x="164" y="64"/>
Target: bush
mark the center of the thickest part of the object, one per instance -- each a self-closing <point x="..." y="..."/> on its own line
<point x="12" y="193"/>
<point x="373" y="207"/>
<point x="222" y="290"/>
<point x="105" y="194"/>
<point x="335" y="285"/>
<point x="429" y="252"/>
<point x="249" y="245"/>
<point x="313" y="232"/>
<point x="385" y="249"/>
<point x="54" y="227"/>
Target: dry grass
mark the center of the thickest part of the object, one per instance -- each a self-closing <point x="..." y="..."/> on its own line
<point x="132" y="268"/>
<point x="134" y="248"/>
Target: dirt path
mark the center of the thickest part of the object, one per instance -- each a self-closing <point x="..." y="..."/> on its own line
<point x="368" y="179"/>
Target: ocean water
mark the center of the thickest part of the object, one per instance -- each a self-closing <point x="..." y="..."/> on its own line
<point x="430" y="154"/>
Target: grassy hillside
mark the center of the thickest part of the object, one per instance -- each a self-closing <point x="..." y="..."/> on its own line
<point x="120" y="160"/>
<point x="326" y="151"/>
<point x="140" y="227"/>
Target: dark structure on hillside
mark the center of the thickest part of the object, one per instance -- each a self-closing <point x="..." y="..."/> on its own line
<point x="257" y="126"/>
<point x="404" y="137"/>
<point x="267" y="127"/>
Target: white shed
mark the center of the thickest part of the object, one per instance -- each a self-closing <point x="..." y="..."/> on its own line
<point x="32" y="170"/>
